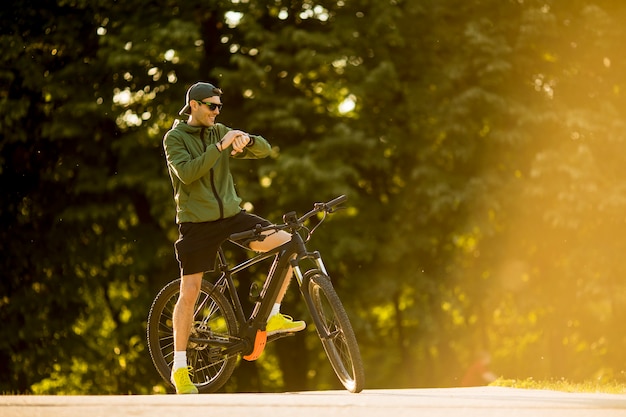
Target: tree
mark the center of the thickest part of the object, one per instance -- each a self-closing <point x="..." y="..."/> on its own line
<point x="479" y="144"/>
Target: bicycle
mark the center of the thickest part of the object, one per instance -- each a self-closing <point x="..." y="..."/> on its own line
<point x="221" y="332"/>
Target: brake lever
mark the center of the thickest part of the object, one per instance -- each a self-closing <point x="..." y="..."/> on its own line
<point x="337" y="208"/>
<point x="258" y="236"/>
<point x="325" y="207"/>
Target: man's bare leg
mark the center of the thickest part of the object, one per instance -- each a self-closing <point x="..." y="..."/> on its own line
<point x="272" y="241"/>
<point x="182" y="320"/>
<point x="183" y="311"/>
<point x="277" y="322"/>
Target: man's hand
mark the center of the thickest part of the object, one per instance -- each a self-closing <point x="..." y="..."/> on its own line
<point x="240" y="142"/>
<point x="237" y="139"/>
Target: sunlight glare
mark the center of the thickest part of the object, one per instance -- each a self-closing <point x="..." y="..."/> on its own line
<point x="347" y="105"/>
<point x="233" y="18"/>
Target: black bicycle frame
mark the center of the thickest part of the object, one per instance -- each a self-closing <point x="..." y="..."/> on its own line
<point x="285" y="256"/>
<point x="273" y="283"/>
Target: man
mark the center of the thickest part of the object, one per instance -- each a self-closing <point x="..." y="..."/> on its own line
<point x="208" y="210"/>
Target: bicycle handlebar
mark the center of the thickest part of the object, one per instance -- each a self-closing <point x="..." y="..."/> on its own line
<point x="335" y="202"/>
<point x="317" y="208"/>
<point x="248" y="233"/>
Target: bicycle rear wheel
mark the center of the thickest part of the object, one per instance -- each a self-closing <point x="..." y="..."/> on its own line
<point x="336" y="332"/>
<point x="214" y="319"/>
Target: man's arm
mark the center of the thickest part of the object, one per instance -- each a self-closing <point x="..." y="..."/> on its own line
<point x="182" y="164"/>
<point x="243" y="145"/>
<point x="257" y="147"/>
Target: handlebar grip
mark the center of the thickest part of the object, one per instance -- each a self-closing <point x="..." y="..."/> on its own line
<point x="243" y="235"/>
<point x="336" y="201"/>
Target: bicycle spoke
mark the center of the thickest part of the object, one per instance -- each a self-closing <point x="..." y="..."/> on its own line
<point x="214" y="320"/>
<point x="336" y="333"/>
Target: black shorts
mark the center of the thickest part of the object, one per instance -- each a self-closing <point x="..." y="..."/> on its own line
<point x="197" y="244"/>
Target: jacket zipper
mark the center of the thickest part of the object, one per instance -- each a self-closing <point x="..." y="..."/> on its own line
<point x="219" y="200"/>
<point x="212" y="178"/>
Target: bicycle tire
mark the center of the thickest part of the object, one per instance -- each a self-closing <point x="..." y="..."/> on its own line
<point x="341" y="346"/>
<point x="214" y="317"/>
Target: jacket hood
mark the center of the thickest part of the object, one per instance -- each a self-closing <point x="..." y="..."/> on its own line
<point x="187" y="128"/>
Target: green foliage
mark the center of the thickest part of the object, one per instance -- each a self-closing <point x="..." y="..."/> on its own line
<point x="608" y="387"/>
<point x="480" y="144"/>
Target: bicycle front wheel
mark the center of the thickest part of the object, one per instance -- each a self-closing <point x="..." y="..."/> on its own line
<point x="213" y="324"/>
<point x="335" y="332"/>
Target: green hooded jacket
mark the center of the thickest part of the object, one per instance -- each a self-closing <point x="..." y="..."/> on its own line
<point x="200" y="173"/>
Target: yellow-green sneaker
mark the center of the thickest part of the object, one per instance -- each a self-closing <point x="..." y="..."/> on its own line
<point x="182" y="382"/>
<point x="279" y="323"/>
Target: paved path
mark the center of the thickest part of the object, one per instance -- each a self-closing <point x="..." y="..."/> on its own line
<point x="457" y="402"/>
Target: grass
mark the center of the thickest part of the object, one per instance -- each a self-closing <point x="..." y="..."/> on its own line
<point x="607" y="387"/>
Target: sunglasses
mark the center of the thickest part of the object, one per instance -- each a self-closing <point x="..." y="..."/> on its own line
<point x="212" y="106"/>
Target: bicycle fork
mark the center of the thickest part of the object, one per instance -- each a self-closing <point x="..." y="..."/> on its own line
<point x="303" y="282"/>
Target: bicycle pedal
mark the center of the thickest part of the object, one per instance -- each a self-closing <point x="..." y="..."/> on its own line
<point x="277" y="336"/>
<point x="260" y="340"/>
